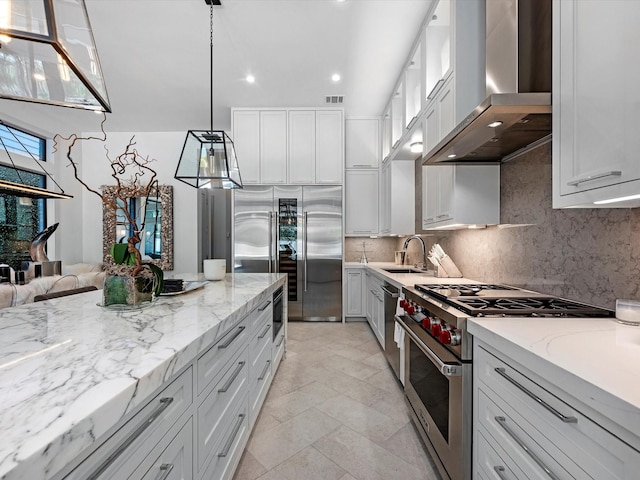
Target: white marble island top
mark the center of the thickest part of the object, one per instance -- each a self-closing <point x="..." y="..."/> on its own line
<point x="595" y="360"/>
<point x="69" y="369"/>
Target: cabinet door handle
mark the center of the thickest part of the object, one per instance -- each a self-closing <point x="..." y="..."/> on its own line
<point x="133" y="436"/>
<point x="232" y="437"/>
<point x="564" y="418"/>
<point x="232" y="338"/>
<point x="263" y="308"/>
<point x="390" y="293"/>
<point x="503" y="423"/>
<point x="499" y="469"/>
<point x="263" y="334"/>
<point x="442" y="216"/>
<point x="165" y="471"/>
<point x="362" y="231"/>
<point x="436" y="88"/>
<point x="264" y="371"/>
<point x="597" y="176"/>
<point x="232" y="379"/>
<point x="362" y="165"/>
<point x="280" y="342"/>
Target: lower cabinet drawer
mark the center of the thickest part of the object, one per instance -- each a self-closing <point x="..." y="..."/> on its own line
<point x="229" y="450"/>
<point x="278" y="349"/>
<point x="490" y="464"/>
<point x="123" y="451"/>
<point x="555" y="428"/>
<point x="259" y="381"/>
<point x="173" y="461"/>
<point x="214" y="412"/>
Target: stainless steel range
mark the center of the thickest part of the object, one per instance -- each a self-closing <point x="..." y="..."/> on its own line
<point x="439" y="351"/>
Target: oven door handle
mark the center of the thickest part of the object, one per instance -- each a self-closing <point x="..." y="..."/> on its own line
<point x="446" y="369"/>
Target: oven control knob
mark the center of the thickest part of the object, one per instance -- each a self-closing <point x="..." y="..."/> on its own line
<point x="403" y="303"/>
<point x="449" y="337"/>
<point x="411" y="309"/>
<point x="426" y="323"/>
<point x="436" y="328"/>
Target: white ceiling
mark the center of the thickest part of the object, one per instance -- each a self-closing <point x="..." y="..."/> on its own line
<point x="155" y="58"/>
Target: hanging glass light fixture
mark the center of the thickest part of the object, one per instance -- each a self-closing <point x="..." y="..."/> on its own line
<point x="208" y="158"/>
<point x="48" y="54"/>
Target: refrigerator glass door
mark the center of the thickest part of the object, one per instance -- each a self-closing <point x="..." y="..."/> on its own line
<point x="322" y="249"/>
<point x="254" y="225"/>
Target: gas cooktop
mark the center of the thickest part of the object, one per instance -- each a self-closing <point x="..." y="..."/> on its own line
<point x="490" y="299"/>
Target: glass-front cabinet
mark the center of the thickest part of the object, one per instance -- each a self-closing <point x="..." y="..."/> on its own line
<point x="397" y="114"/>
<point x="413" y="87"/>
<point x="437" y="52"/>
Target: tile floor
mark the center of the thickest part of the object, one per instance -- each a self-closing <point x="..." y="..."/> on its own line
<point x="334" y="412"/>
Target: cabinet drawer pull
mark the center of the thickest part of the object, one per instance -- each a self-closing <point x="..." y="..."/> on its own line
<point x="362" y="165"/>
<point x="500" y="472"/>
<point x="362" y="231"/>
<point x="280" y="342"/>
<point x="144" y="424"/>
<point x="597" y="176"/>
<point x="165" y="471"/>
<point x="442" y="216"/>
<point x="435" y="89"/>
<point x="264" y="371"/>
<point x="232" y="437"/>
<point x="262" y="309"/>
<point x="235" y="374"/>
<point x="264" y="334"/>
<point x="232" y="338"/>
<point x="564" y="418"/>
<point x="503" y="423"/>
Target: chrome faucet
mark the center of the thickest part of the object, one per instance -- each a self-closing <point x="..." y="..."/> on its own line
<point x="422" y="246"/>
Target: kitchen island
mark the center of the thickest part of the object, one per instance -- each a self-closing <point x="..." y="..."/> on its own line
<point x="72" y="372"/>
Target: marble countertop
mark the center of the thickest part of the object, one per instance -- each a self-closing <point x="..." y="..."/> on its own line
<point x="595" y="360"/>
<point x="69" y="369"/>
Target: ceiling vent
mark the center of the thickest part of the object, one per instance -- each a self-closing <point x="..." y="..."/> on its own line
<point x="334" y="99"/>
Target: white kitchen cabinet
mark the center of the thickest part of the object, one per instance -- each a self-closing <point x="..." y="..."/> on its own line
<point x="438" y="47"/>
<point x="397" y="188"/>
<point x="246" y="141"/>
<point x="289" y="146"/>
<point x="302" y="146"/>
<point x="362" y="143"/>
<point x="273" y="146"/>
<point x="353" y="292"/>
<point x="532" y="429"/>
<point x="329" y="146"/>
<point x="459" y="195"/>
<point x="361" y="202"/>
<point x="440" y="114"/>
<point x="375" y="305"/>
<point x="595" y="98"/>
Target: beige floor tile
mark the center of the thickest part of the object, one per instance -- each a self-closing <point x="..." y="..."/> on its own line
<point x="353" y="368"/>
<point x="285" y="440"/>
<point x="249" y="468"/>
<point x="288" y="406"/>
<point x="347" y="477"/>
<point x="364" y="459"/>
<point x="360" y="390"/>
<point x="308" y="464"/>
<point x="361" y="418"/>
<point x="377" y="360"/>
<point x="406" y="444"/>
<point x="264" y="422"/>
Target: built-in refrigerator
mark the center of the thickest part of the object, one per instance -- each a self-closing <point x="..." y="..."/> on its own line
<point x="295" y="230"/>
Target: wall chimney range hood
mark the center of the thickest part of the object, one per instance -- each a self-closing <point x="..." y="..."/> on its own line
<point x="517" y="110"/>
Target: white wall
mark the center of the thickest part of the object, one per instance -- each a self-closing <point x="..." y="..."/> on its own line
<point x="80" y="231"/>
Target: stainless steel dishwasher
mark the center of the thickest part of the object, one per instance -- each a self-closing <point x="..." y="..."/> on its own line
<point x="391" y="350"/>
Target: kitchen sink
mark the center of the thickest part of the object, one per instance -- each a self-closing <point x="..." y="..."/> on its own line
<point x="405" y="270"/>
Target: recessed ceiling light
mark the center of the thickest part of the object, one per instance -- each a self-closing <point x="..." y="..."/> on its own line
<point x="494" y="124"/>
<point x="250" y="79"/>
<point x="335" y="77"/>
<point x="416" y="147"/>
<point x="453" y="155"/>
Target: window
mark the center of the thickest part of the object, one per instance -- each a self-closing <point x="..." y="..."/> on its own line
<point x="21" y="218"/>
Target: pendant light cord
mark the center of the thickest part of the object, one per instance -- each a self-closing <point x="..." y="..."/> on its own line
<point x="211" y="59"/>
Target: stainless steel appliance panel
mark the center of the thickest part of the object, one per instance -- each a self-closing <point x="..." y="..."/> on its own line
<point x="391" y="350"/>
<point x="322" y="253"/>
<point x="253" y="221"/>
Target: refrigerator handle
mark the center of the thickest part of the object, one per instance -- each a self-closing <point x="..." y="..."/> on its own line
<point x="270" y="242"/>
<point x="277" y="245"/>
<point x="304" y="233"/>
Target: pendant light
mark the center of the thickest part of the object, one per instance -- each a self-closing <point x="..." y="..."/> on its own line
<point x="208" y="158"/>
<point x="21" y="189"/>
<point x="48" y="55"/>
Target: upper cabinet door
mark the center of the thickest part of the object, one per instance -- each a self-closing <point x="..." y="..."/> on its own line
<point x="246" y="140"/>
<point x="329" y="146"/>
<point x="362" y="143"/>
<point x="302" y="146"/>
<point x="273" y="147"/>
<point x="595" y="102"/>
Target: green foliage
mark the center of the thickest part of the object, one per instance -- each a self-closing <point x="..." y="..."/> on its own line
<point x="121" y="255"/>
<point x="158" y="278"/>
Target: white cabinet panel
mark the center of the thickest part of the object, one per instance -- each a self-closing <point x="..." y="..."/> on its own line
<point x="362" y="143"/>
<point x="246" y="140"/>
<point x="361" y="202"/>
<point x="329" y="146"/>
<point x="397" y="197"/>
<point x="595" y="98"/>
<point x="302" y="146"/>
<point x="273" y="147"/>
<point x="353" y="296"/>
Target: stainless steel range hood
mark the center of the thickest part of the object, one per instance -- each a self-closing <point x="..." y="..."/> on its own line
<point x="517" y="110"/>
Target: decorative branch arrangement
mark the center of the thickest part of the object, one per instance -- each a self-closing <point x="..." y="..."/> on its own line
<point x="133" y="178"/>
